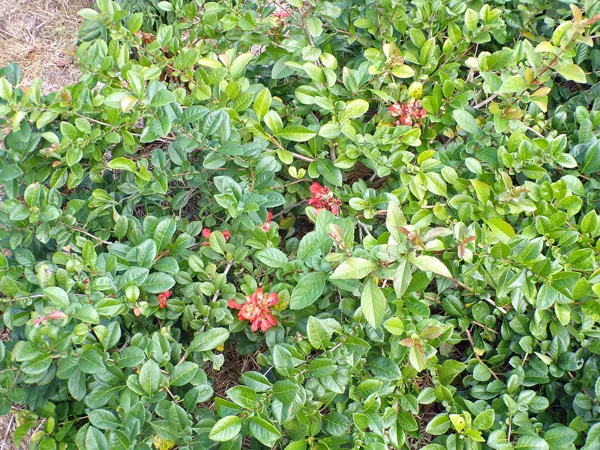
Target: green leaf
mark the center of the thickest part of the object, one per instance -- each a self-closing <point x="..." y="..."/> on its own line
<point x="262" y="104"/>
<point x="319" y="334"/>
<point x="285" y="391"/>
<point x="150" y="378"/>
<point x="208" y="340"/>
<point x="158" y="282"/>
<point x="131" y="356"/>
<point x="226" y="429"/>
<point x="571" y="72"/>
<point x="432" y="264"/>
<point x="373" y="303"/>
<point x="95" y="440"/>
<point x="256" y="381"/>
<point x="122" y="164"/>
<point x="103" y="419"/>
<point x="395" y="326"/>
<point x="10" y="172"/>
<point x="296" y="133"/>
<point x="91" y="361"/>
<point x="161" y="98"/>
<point x="183" y="373"/>
<point x="438" y="425"/>
<point x="145" y="253"/>
<point x="354" y="108"/>
<point x="243" y="396"/>
<point x="529" y="442"/>
<point x="264" y="430"/>
<point x="466" y="121"/>
<point x="331" y="173"/>
<point x="308" y="290"/>
<point x="354" y="269"/>
<point x="560" y="437"/>
<point x="272" y="257"/>
<point x="58" y="296"/>
<point x="485" y="420"/>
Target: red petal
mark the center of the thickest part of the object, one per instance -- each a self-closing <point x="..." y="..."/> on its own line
<point x="233" y="304"/>
<point x="316" y="189"/>
<point x="273" y="298"/>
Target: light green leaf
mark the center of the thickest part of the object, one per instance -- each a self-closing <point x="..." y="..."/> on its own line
<point x="296" y="133"/>
<point x="226" y="429"/>
<point x="122" y="164"/>
<point x="262" y="103"/>
<point x="432" y="264"/>
<point x="373" y="303"/>
<point x="466" y="121"/>
<point x="485" y="420"/>
<point x="319" y="334"/>
<point x="571" y="72"/>
<point x="58" y="296"/>
<point x="354" y="268"/>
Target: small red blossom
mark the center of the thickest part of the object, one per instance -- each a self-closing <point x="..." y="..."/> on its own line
<point x="395" y="110"/>
<point x="267" y="224"/>
<point x="206" y="234"/>
<point x="323" y="198"/>
<point x="162" y="299"/>
<point x="281" y="14"/>
<point x="256" y="309"/>
<point x="409" y="113"/>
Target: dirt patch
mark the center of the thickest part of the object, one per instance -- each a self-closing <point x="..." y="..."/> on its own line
<point x="39" y="36"/>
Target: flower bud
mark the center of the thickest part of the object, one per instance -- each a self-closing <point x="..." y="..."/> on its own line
<point x="415" y="90"/>
<point x="57" y="315"/>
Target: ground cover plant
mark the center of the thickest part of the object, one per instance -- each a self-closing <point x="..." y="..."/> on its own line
<point x="307" y="225"/>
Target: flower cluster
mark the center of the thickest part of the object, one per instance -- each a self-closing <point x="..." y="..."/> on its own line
<point x="162" y="299"/>
<point x="206" y="233"/>
<point x="267" y="224"/>
<point x="323" y="198"/>
<point x="409" y="113"/>
<point x="256" y="309"/>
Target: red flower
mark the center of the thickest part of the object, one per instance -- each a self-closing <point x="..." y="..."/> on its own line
<point x="206" y="233"/>
<point x="395" y="110"/>
<point x="256" y="309"/>
<point x="162" y="299"/>
<point x="267" y="224"/>
<point x="409" y="113"/>
<point x="405" y="120"/>
<point x="323" y="198"/>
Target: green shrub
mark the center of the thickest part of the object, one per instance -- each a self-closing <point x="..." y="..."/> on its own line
<point x="401" y="197"/>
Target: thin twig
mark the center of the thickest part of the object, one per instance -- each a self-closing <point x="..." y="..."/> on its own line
<point x="470" y="338"/>
<point x="12" y="418"/>
<point x="225" y="272"/>
<point x="289" y="208"/>
<point x="486" y="101"/>
<point x="81" y="230"/>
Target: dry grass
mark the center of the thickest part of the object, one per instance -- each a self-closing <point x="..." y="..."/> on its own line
<point x="231" y="371"/>
<point x="39" y="36"/>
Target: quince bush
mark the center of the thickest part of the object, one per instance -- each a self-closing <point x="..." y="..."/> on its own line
<point x="388" y="208"/>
